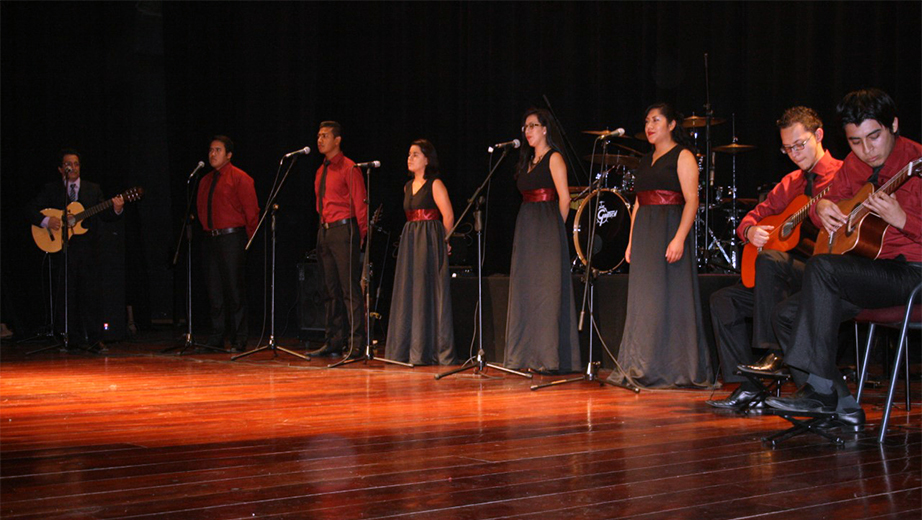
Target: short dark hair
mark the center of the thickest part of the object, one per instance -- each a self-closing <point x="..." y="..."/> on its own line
<point x="428" y="149"/>
<point x="799" y="114"/>
<point x="335" y="128"/>
<point x="872" y="103"/>
<point x="69" y="151"/>
<point x="228" y="144"/>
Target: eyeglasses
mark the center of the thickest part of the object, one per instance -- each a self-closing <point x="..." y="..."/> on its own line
<point x="796" y="147"/>
<point x="529" y="126"/>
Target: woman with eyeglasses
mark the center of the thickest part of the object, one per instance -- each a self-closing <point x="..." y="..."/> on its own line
<point x="664" y="343"/>
<point x="541" y="322"/>
<point x="420" y="329"/>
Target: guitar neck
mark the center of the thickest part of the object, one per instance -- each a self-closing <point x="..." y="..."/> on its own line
<point x="889" y="187"/>
<point x="87" y="213"/>
<point x="801" y="214"/>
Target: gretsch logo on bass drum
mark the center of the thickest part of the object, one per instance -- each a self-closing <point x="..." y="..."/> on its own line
<point x="604" y="214"/>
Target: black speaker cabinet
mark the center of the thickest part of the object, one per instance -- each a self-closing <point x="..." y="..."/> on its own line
<point x="311" y="314"/>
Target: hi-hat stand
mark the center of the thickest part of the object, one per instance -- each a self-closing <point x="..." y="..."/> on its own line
<point x="186" y="231"/>
<point x="592" y="367"/>
<point x="272" y="207"/>
<point x="369" y="354"/>
<point x="478" y="363"/>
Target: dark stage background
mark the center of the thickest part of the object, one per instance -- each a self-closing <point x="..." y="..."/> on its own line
<point x="141" y="86"/>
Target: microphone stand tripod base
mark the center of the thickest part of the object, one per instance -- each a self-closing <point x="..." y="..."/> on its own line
<point x="189" y="342"/>
<point x="592" y="374"/>
<point x="480" y="365"/>
<point x="369" y="355"/>
<point x="275" y="351"/>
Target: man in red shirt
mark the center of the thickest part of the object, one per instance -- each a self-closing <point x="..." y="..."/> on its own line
<point x="837" y="287"/>
<point x="340" y="190"/>
<point x="778" y="273"/>
<point x="228" y="212"/>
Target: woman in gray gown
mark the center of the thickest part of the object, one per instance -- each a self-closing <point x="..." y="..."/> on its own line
<point x="664" y="345"/>
<point x="541" y="321"/>
<point x="420" y="329"/>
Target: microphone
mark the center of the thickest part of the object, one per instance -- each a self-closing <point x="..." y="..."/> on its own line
<point x="201" y="164"/>
<point x="369" y="164"/>
<point x="515" y="143"/>
<point x="68" y="169"/>
<point x="614" y="133"/>
<point x="303" y="151"/>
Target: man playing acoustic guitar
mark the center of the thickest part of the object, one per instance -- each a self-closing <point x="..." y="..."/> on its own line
<point x="778" y="273"/>
<point x="837" y="286"/>
<point x="81" y="261"/>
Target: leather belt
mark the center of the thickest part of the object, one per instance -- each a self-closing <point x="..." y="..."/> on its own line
<point x="660" y="197"/>
<point x="539" y="195"/>
<point x="414" y="215"/>
<point x="335" y="223"/>
<point x="225" y="231"/>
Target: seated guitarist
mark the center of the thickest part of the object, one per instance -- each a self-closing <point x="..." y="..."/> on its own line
<point x="83" y="300"/>
<point x="778" y="273"/>
<point x="836" y="287"/>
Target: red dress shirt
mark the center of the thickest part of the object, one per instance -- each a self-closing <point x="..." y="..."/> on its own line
<point x="791" y="186"/>
<point x="855" y="173"/>
<point x="344" y="194"/>
<point x="234" y="203"/>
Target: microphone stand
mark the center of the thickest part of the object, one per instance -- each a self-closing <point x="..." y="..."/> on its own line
<point x="272" y="207"/>
<point x="708" y="163"/>
<point x="369" y="354"/>
<point x="592" y="367"/>
<point x="65" y="242"/>
<point x="186" y="231"/>
<point x="478" y="363"/>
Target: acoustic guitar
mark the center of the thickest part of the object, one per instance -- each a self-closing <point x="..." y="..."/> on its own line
<point x="863" y="231"/>
<point x="784" y="237"/>
<point x="49" y="240"/>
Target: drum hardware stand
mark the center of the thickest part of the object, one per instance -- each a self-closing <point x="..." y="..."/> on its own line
<point x="272" y="207"/>
<point x="592" y="367"/>
<point x="369" y="354"/>
<point x="479" y="363"/>
<point x="186" y="231"/>
<point x="708" y="160"/>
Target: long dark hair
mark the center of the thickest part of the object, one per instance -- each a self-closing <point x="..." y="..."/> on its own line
<point x="432" y="169"/>
<point x="527" y="152"/>
<point x="679" y="135"/>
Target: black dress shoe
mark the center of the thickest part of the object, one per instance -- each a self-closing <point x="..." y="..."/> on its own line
<point x="809" y="400"/>
<point x="737" y="400"/>
<point x="849" y="419"/>
<point x="769" y="365"/>
<point x="99" y="347"/>
<point x="325" y="351"/>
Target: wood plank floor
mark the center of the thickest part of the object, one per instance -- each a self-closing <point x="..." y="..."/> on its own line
<point x="139" y="434"/>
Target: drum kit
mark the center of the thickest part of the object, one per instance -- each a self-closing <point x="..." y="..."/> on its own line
<point x="610" y="198"/>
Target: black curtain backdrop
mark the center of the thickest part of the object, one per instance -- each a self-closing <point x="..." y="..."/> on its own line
<point x="141" y="87"/>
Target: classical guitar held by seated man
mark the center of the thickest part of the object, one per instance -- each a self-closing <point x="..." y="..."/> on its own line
<point x="49" y="240"/>
<point x="785" y="236"/>
<point x="863" y="231"/>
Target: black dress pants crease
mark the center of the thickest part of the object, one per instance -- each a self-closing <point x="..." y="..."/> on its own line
<point x="225" y="267"/>
<point x="338" y="252"/>
<point x="836" y="288"/>
<point x="778" y="276"/>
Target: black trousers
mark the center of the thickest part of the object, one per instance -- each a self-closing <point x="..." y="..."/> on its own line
<point x="836" y="288"/>
<point x="83" y="298"/>
<point x="225" y="269"/>
<point x="778" y="276"/>
<point x="338" y="252"/>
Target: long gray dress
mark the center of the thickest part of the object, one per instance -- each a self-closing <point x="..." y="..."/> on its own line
<point x="420" y="329"/>
<point x="664" y="345"/>
<point x="541" y="321"/>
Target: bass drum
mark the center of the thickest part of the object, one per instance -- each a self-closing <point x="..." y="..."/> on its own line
<point x="613" y="229"/>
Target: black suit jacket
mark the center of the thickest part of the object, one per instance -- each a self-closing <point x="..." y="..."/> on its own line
<point x="52" y="196"/>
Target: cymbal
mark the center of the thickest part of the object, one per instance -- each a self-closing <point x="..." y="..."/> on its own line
<point x="629" y="161"/>
<point x="734" y="148"/>
<point x="739" y="201"/>
<point x="699" y="122"/>
<point x="640" y="136"/>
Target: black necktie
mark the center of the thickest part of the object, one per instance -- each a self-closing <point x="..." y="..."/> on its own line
<point x="873" y="178"/>
<point x="73" y="192"/>
<point x="323" y="187"/>
<point x="214" y="183"/>
<point x="808" y="189"/>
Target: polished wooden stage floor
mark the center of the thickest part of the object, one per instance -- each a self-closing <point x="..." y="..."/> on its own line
<point x="139" y="434"/>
